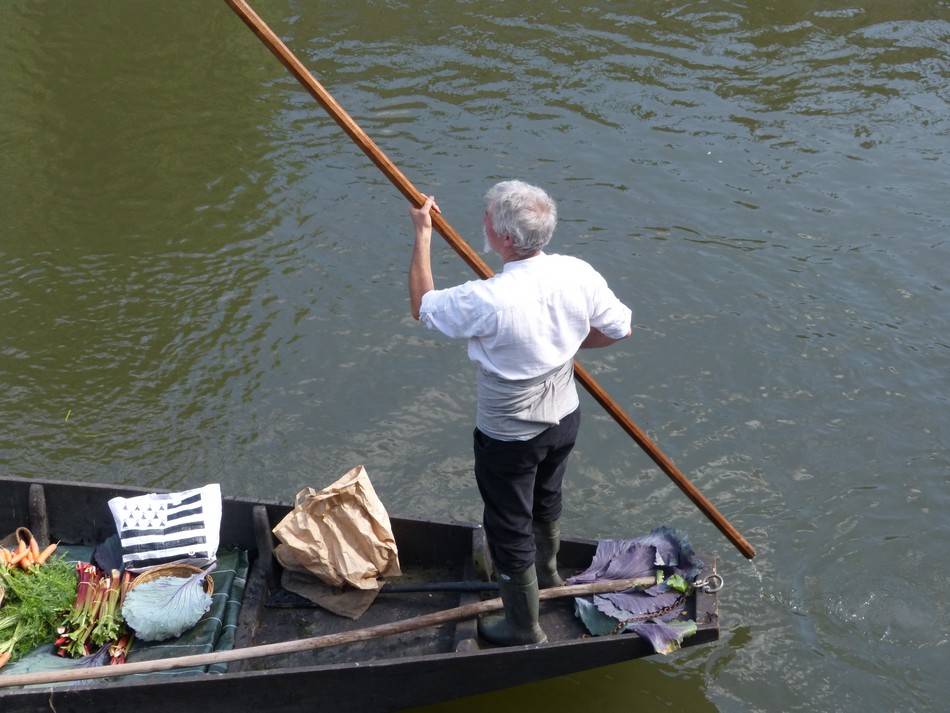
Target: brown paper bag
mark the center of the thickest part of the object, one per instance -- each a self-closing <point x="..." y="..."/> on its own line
<point x="342" y="533"/>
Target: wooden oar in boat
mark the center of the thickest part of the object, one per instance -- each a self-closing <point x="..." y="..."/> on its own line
<point x="467" y="611"/>
<point x="352" y="129"/>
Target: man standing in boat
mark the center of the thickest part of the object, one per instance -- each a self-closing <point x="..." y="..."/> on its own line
<point x="524" y="327"/>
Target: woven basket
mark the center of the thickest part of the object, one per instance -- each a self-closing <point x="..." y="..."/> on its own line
<point x="172" y="570"/>
<point x="24" y="535"/>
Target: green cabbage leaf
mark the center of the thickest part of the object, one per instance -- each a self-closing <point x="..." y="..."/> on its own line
<point x="166" y="606"/>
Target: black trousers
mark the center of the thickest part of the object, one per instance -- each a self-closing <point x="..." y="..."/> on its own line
<point x="520" y="482"/>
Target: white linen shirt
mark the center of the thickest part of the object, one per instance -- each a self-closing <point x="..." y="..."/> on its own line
<point x="530" y="318"/>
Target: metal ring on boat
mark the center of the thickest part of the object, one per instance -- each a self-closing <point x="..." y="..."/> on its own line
<point x="710" y="585"/>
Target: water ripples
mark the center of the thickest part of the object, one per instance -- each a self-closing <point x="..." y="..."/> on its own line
<point x="209" y="279"/>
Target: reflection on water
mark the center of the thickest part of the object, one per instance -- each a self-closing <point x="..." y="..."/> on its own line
<point x="204" y="274"/>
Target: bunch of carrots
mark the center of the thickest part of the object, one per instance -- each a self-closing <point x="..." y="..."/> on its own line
<point x="34" y="591"/>
<point x="26" y="555"/>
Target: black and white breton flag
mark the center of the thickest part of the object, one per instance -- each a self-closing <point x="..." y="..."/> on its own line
<point x="162" y="528"/>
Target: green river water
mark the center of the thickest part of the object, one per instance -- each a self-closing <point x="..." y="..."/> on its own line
<point x="202" y="279"/>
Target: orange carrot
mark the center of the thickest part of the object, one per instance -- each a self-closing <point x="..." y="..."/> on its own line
<point x="44" y="555"/>
<point x="4" y="657"/>
<point x="21" y="547"/>
<point x="18" y="557"/>
<point x="34" y="547"/>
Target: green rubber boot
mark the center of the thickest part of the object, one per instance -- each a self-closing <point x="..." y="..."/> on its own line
<point x="519" y="624"/>
<point x="547" y="542"/>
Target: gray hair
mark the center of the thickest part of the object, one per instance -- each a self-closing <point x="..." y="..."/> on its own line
<point x="523" y="212"/>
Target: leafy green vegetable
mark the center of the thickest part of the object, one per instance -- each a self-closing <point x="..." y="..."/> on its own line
<point x="33" y="603"/>
<point x="166" y="606"/>
<point x="678" y="583"/>
<point x="43" y="659"/>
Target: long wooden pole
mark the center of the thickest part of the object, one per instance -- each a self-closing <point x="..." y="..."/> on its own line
<point x="466" y="611"/>
<point x="336" y="112"/>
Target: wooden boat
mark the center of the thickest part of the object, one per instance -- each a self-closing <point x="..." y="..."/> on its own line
<point x="418" y="667"/>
